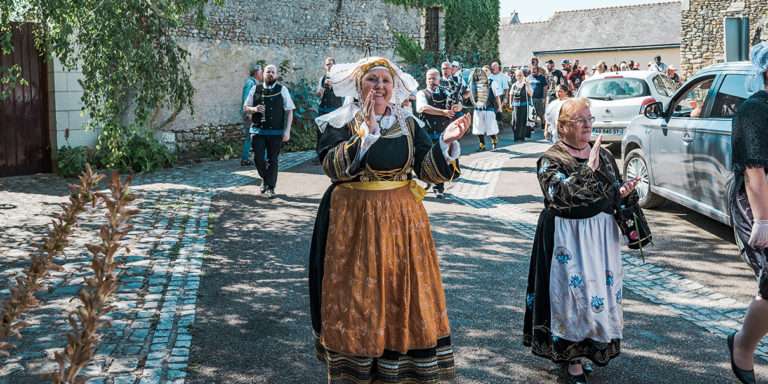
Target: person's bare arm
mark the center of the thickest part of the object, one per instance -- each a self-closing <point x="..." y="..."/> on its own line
<point x="756" y="186"/>
<point x="288" y="122"/>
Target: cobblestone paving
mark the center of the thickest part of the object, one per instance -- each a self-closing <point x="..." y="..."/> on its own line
<point x="693" y="301"/>
<point x="149" y="339"/>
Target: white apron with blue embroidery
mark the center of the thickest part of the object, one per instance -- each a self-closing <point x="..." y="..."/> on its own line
<point x="586" y="279"/>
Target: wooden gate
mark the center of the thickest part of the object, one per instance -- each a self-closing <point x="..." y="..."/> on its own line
<point x="432" y="30"/>
<point x="24" y="126"/>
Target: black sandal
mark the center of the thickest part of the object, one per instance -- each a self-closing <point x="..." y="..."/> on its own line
<point x="744" y="376"/>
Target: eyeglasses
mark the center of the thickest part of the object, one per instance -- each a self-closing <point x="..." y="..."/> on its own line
<point x="584" y="121"/>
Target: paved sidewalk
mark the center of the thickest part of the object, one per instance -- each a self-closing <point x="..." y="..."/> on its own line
<point x="149" y="339"/>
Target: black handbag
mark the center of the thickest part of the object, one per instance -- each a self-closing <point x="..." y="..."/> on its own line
<point x="632" y="223"/>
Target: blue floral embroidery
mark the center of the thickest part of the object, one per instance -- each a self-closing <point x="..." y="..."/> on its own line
<point x="619" y="296"/>
<point x="598" y="304"/>
<point x="576" y="281"/>
<point x="562" y="255"/>
<point x="609" y="278"/>
<point x="529" y="300"/>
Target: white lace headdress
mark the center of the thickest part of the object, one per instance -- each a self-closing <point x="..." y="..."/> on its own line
<point x="347" y="82"/>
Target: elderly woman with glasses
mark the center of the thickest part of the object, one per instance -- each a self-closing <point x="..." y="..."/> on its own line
<point x="573" y="303"/>
<point x="376" y="295"/>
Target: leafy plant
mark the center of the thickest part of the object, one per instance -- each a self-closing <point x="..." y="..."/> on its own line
<point x="71" y="161"/>
<point x="22" y="297"/>
<point x="144" y="154"/>
<point x="96" y="294"/>
<point x="471" y="32"/>
<point x="303" y="129"/>
<point x="131" y="64"/>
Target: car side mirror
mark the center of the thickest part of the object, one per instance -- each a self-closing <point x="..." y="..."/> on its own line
<point x="654" y="110"/>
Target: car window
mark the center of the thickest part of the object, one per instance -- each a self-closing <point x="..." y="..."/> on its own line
<point x="663" y="85"/>
<point x="691" y="102"/>
<point x="729" y="97"/>
<point x="614" y="89"/>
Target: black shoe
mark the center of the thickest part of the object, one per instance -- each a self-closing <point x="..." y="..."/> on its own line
<point x="245" y="163"/>
<point x="580" y="379"/>
<point x="270" y="193"/>
<point x="575" y="379"/>
<point x="744" y="376"/>
<point x="263" y="188"/>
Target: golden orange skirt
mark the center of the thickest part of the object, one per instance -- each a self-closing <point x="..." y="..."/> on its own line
<point x="382" y="288"/>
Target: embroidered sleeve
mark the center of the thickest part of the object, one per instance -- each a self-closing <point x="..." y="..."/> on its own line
<point x="570" y="187"/>
<point x="339" y="151"/>
<point x="431" y="163"/>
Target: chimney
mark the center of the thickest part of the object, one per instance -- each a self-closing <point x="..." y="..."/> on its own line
<point x="514" y="18"/>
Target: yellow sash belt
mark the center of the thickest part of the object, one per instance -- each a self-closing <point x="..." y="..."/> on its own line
<point x="417" y="191"/>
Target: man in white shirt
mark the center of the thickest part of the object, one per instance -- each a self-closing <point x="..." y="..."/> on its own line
<point x="436" y="109"/>
<point x="271" y="109"/>
<point x="500" y="83"/>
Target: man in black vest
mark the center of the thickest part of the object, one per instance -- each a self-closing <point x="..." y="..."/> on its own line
<point x="272" y="108"/>
<point x="436" y="109"/>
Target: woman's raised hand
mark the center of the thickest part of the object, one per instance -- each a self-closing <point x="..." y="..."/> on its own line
<point x="457" y="129"/>
<point x="594" y="154"/>
<point x="369" y="114"/>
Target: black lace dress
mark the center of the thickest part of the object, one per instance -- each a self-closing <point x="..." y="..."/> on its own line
<point x="750" y="150"/>
<point x="574" y="294"/>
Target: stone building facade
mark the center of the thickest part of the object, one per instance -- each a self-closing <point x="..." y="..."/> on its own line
<point x="240" y="33"/>
<point x="611" y="34"/>
<point x="702" y="42"/>
<point x="302" y="32"/>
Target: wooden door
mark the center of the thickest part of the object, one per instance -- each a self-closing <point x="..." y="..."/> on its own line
<point x="24" y="126"/>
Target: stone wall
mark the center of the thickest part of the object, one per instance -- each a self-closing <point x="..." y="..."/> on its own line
<point x="66" y="107"/>
<point x="702" y="29"/>
<point x="301" y="31"/>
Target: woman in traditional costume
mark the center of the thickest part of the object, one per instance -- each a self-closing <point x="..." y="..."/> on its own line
<point x="749" y="211"/>
<point x="573" y="302"/>
<point x="485" y="103"/>
<point x="376" y="295"/>
<point x="520" y="94"/>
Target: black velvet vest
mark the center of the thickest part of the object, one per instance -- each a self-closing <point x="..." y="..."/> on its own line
<point x="437" y="99"/>
<point x="274" y="111"/>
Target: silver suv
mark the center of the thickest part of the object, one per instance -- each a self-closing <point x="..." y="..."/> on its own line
<point x="683" y="152"/>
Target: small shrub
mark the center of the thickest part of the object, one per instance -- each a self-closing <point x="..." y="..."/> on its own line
<point x="71" y="160"/>
<point x="303" y="129"/>
<point x="146" y="154"/>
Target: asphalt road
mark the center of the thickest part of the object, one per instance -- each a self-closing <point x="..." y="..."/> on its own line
<point x="253" y="324"/>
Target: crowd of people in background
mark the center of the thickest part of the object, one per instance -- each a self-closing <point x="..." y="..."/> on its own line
<point x="528" y="93"/>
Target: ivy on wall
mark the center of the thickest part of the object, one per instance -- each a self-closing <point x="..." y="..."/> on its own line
<point x="471" y="31"/>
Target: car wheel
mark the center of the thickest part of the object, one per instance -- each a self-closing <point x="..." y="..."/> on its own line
<point x="634" y="166"/>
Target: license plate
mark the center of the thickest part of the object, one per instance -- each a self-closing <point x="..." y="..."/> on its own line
<point x="608" y="131"/>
